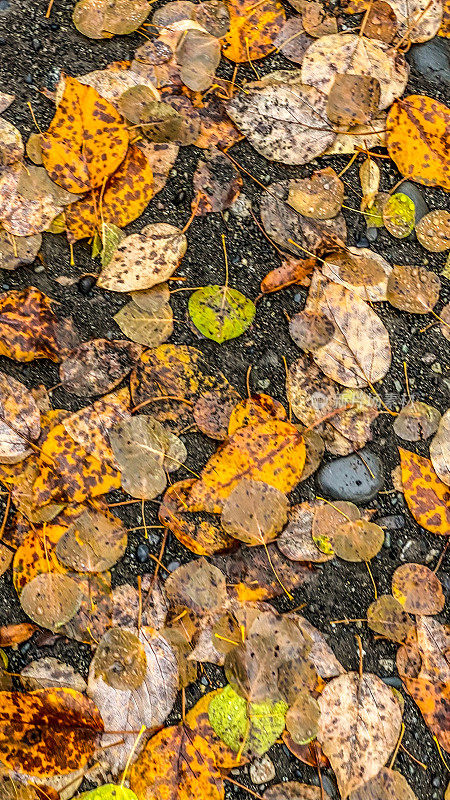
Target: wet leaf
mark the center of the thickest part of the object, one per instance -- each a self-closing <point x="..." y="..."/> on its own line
<point x="253" y="29"/>
<point x="320" y="196"/>
<point x="16" y="634"/>
<point x="316" y="21"/>
<point x="254" y="512"/>
<point x="353" y="99"/>
<point x="292" y="270"/>
<point x="386" y="617"/>
<point x="272" y="451"/>
<point x="419" y="19"/>
<point x="83" y="117"/>
<point x="381" y="22"/>
<point x="221" y="313"/>
<point x="159" y="121"/>
<point x="399" y="215"/>
<point x="198" y="56"/>
<point x="370" y="134"/>
<point x="348" y="53"/>
<point x="310" y="331"/>
<point x="97" y="366"/>
<point x="34" y="201"/>
<point x="358" y="540"/>
<point x="369" y="176"/>
<point x="145" y="259"/>
<point x="253" y="410"/>
<point x="120" y="660"/>
<point x="212" y="412"/>
<point x="65" y="724"/>
<point x="352" y="358"/>
<point x="18" y="249"/>
<point x="109" y="791"/>
<point x="51" y="600"/>
<point x="20" y="422"/>
<point x="218" y="180"/>
<point x="292" y="790"/>
<point x="433" y="231"/>
<point x="101" y="19"/>
<point x="48" y="672"/>
<point x="416" y="421"/>
<point x="198" y="586"/>
<point x="119" y="204"/>
<point x="254" y="579"/>
<point x="413" y="289"/>
<point x="282" y="122"/>
<point x="302" y="718"/>
<point x="144" y="327"/>
<point x="94" y="543"/>
<point x="11" y="144"/>
<point x="418" y="589"/>
<point x="292" y="40"/>
<point x="201" y="535"/>
<point x="90" y="426"/>
<point x="327" y="521"/>
<point x="29" y="329"/>
<point x="361" y="270"/>
<point x="387" y="785"/>
<point x="424" y="124"/>
<point x="428" y="498"/>
<point x="255" y="728"/>
<point x="296" y="540"/>
<point x="359" y="726"/>
<point x="440" y="449"/>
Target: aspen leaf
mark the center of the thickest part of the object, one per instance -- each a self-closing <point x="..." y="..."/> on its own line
<point x="199" y="586"/>
<point x="51" y="599"/>
<point x="20" y="420"/>
<point x="94" y="543"/>
<point x="440" y="449"/>
<point x="418" y="589"/>
<point x="296" y="540"/>
<point x="320" y="196"/>
<point x="387" y="617"/>
<point x="413" y="289"/>
<point x="292" y="40"/>
<point x="292" y="270"/>
<point x="381" y="22"/>
<point x="254" y="726"/>
<point x="417" y="127"/>
<point x="16" y="634"/>
<point x="302" y="718"/>
<point x="11" y="144"/>
<point x="218" y="180"/>
<point x="221" y="313"/>
<point x="29" y="329"/>
<point x="428" y="498"/>
<point x="18" y="250"/>
<point x="358" y="540"/>
<point x="109" y="791"/>
<point x="272" y="451"/>
<point x="97" y="366"/>
<point x="387" y="785"/>
<point x="353" y="99"/>
<point x="48" y="672"/>
<point x="254" y="512"/>
<point x="399" y="215"/>
<point x="149" y="329"/>
<point x="90" y="425"/>
<point x="101" y="19"/>
<point x="359" y="726"/>
<point x="292" y="790"/>
<point x="416" y="421"/>
<point x="253" y="410"/>
<point x="419" y="19"/>
<point x="203" y="536"/>
<point x="213" y="410"/>
<point x="253" y="29"/>
<point x="65" y="725"/>
<point x="144" y="259"/>
<point x="86" y="141"/>
<point x="433" y="231"/>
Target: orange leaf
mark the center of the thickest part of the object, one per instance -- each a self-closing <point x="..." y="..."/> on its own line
<point x="253" y="28"/>
<point x="86" y="141"/>
<point x="29" y="328"/>
<point x="444" y="30"/>
<point x="418" y="132"/>
<point x="127" y="193"/>
<point x="16" y="634"/>
<point x="204" y="537"/>
<point x="433" y="700"/>
<point x="47" y="732"/>
<point x="273" y="451"/>
<point x="427" y="496"/>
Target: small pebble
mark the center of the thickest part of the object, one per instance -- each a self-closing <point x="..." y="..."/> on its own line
<point x="261" y="770"/>
<point x="414" y="194"/>
<point x="372" y="234"/>
<point x="353" y="478"/>
<point x="392" y="522"/>
<point x="173" y="566"/>
<point x="142" y="552"/>
<point x="86" y="284"/>
<point x="395" y="682"/>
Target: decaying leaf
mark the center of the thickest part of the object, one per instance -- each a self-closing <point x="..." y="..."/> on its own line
<point x="90" y="426"/>
<point x="357" y="540"/>
<point x="218" y="180"/>
<point x="413" y="289"/>
<point x="292" y="790"/>
<point x="416" y="421"/>
<point x="48" y="672"/>
<point x="353" y="99"/>
<point x="254" y="512"/>
<point x="253" y="29"/>
<point x="201" y="534"/>
<point x="433" y="231"/>
<point x="359" y="726"/>
<point x="144" y="327"/>
<point x="417" y="127"/>
<point x="320" y="196"/>
<point x="97" y="366"/>
<point x="387" y="617"/>
<point x="51" y="599"/>
<point x="94" y="543"/>
<point x="428" y="498"/>
<point x="296" y="540"/>
<point x="212" y="412"/>
<point x="440" y="449"/>
<point x="418" y="589"/>
<point x="145" y="259"/>
<point x="101" y="19"/>
<point x="389" y="784"/>
<point x="29" y="329"/>
<point x="20" y="420"/>
<point x="221" y="313"/>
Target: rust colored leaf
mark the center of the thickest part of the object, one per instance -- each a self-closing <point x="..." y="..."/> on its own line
<point x="413" y="289"/>
<point x="86" y="141"/>
<point x="353" y="99"/>
<point x="428" y="498"/>
<point x="417" y="128"/>
<point x="253" y="29"/>
<point x="292" y="790"/>
<point x="253" y="579"/>
<point x="418" y="589"/>
<point x="16" y="634"/>
<point x="202" y="535"/>
<point x="29" y="328"/>
<point x="292" y="270"/>
<point x="90" y="425"/>
<point x="47" y="732"/>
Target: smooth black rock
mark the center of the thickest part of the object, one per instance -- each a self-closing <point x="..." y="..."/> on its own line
<point x="357" y="477"/>
<point x="393" y="522"/>
<point x="413" y="192"/>
<point x="142" y="552"/>
<point x="86" y="284"/>
<point x="431" y="60"/>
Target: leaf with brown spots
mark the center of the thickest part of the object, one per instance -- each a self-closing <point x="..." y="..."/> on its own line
<point x="428" y="498"/>
<point x="353" y="99"/>
<point x="97" y="366"/>
<point x="253" y="410"/>
<point x="433" y="231"/>
<point x="253" y="579"/>
<point x="127" y="194"/>
<point x="292" y="790"/>
<point x="418" y="589"/>
<point x="444" y="30"/>
<point x="51" y="599"/>
<point x="144" y="259"/>
<point x="34" y="202"/>
<point x="417" y="129"/>
<point x="86" y="141"/>
<point x="20" y="420"/>
<point x="90" y="426"/>
<point x="202" y="535"/>
<point x="296" y="542"/>
<point x="29" y="329"/>
<point x="359" y="726"/>
<point x="320" y="196"/>
<point x="387" y="617"/>
<point x="389" y="784"/>
<point x="254" y="512"/>
<point x="253" y="29"/>
<point x="212" y="412"/>
<point x="93" y="543"/>
<point x="47" y="732"/>
<point x="413" y="289"/>
<point x="440" y="449"/>
<point x="273" y="452"/>
<point x="218" y="180"/>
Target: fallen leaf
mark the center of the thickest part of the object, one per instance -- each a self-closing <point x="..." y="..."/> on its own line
<point x="353" y="99"/>
<point x="149" y="329"/>
<point x="86" y="141"/>
<point x="433" y="231"/>
<point x="202" y="535"/>
<point x="144" y="259"/>
<point x="212" y="412"/>
<point x="359" y="726"/>
<point x="254" y="512"/>
<point x="29" y="329"/>
<point x="90" y="426"/>
<point x="253" y="29"/>
<point x="198" y="56"/>
<point x="65" y="728"/>
<point x="94" y="543"/>
<point x="292" y="790"/>
<point x="221" y="313"/>
<point x="48" y="672"/>
<point x="292" y="270"/>
<point x="282" y="122"/>
<point x="381" y="22"/>
<point x="254" y="727"/>
<point x="16" y="634"/>
<point x="389" y="784"/>
<point x="416" y="421"/>
<point x="296" y="540"/>
<point x="440" y="449"/>
<point x="419" y="20"/>
<point x="51" y="600"/>
<point x="399" y="215"/>
<point x="97" y="366"/>
<point x="18" y="250"/>
<point x="358" y="540"/>
<point x="418" y="589"/>
<point x="320" y="196"/>
<point x="348" y="53"/>
<point x="387" y="617"/>
<point x="302" y="718"/>
<point x="101" y="19"/>
<point x="417" y="126"/>
<point x="198" y="586"/>
<point x="292" y="40"/>
<point x="428" y="498"/>
<point x="20" y="420"/>
<point x="11" y="144"/>
<point x="218" y="180"/>
<point x="254" y="579"/>
<point x="413" y="289"/>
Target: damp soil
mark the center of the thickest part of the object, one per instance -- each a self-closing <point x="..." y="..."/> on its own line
<point x="33" y="52"/>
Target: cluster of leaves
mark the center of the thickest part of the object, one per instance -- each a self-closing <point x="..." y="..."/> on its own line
<point x="109" y="149"/>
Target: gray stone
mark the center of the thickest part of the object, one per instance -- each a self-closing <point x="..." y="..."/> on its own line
<point x="413" y="192"/>
<point x="432" y="60"/>
<point x="392" y="522"/>
<point x="261" y="770"/>
<point x="357" y="477"/>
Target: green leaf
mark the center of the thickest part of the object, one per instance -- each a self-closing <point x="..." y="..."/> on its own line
<point x="399" y="215"/>
<point x="220" y="313"/>
<point x="109" y="791"/>
<point x="111" y="238"/>
<point x="257" y="725"/>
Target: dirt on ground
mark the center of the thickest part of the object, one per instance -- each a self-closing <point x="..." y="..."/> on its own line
<point x="34" y="51"/>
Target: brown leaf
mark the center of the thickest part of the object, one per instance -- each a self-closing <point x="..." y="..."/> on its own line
<point x="296" y="540"/>
<point x="29" y="329"/>
<point x="201" y="534"/>
<point x="389" y="784"/>
<point x="51" y="600"/>
<point x="353" y="99"/>
<point x="97" y="366"/>
<point x="16" y="634"/>
<point x="416" y="421"/>
<point x="20" y="420"/>
<point x="433" y="231"/>
<point x="94" y="543"/>
<point x="386" y="617"/>
<point x="292" y="790"/>
<point x="254" y="512"/>
<point x="418" y="589"/>
<point x="440" y="449"/>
